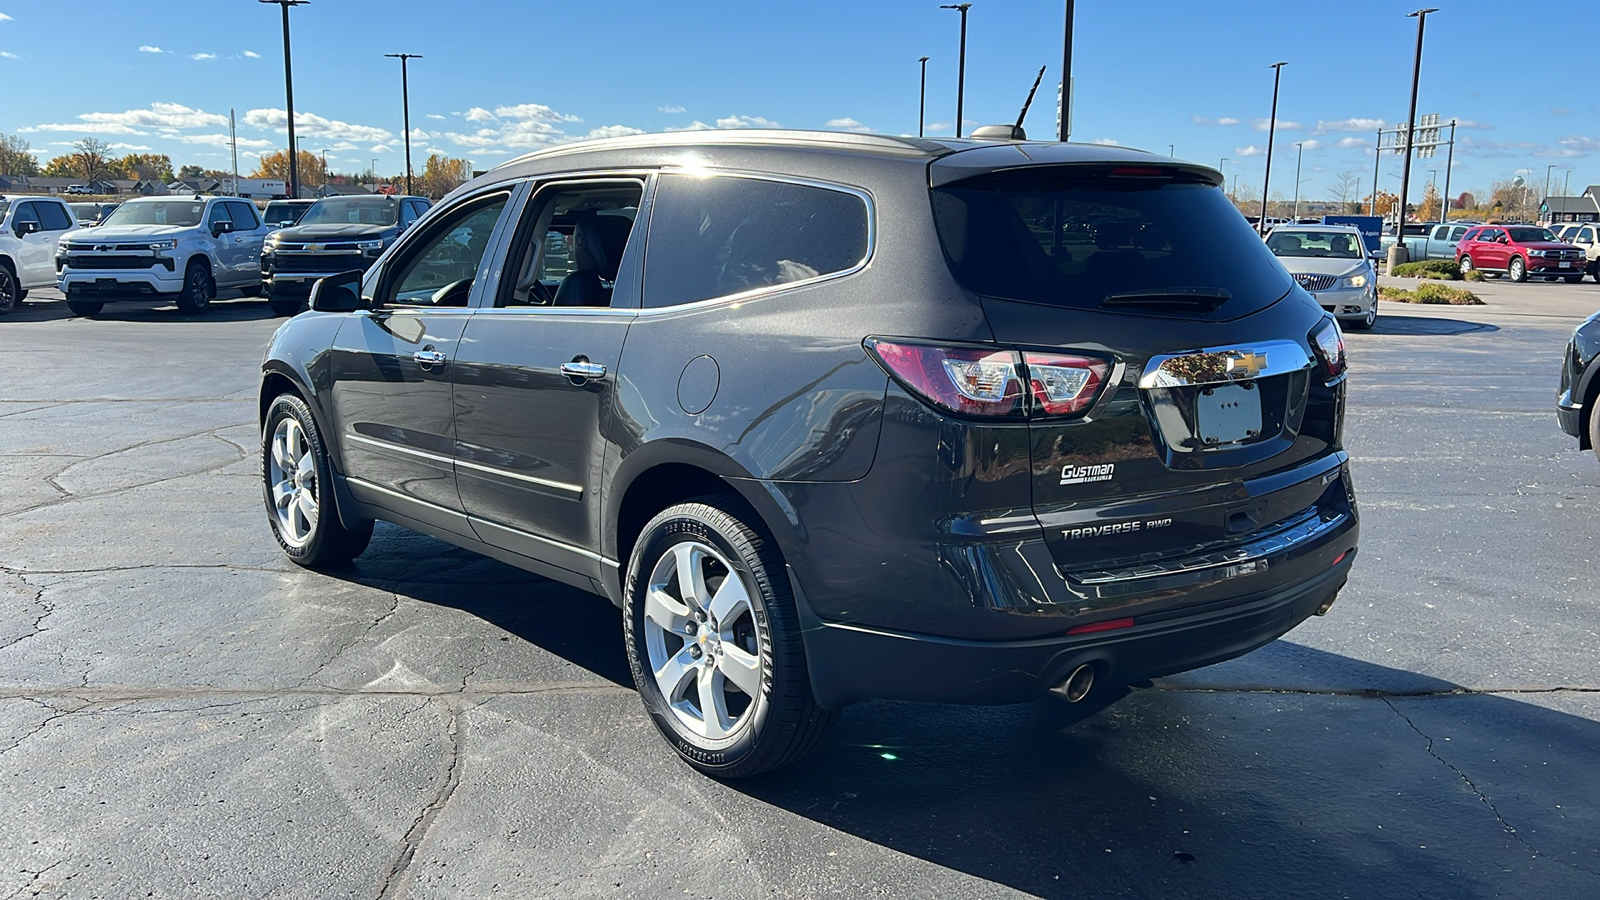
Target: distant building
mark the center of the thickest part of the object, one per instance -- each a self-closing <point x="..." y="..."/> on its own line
<point x="1582" y="208"/>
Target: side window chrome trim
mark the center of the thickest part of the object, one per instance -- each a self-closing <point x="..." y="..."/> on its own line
<point x="762" y="293"/>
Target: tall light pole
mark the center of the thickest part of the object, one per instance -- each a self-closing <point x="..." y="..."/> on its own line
<point x="1222" y="167"/>
<point x="1547" y="170"/>
<point x="961" y="67"/>
<point x="288" y="93"/>
<point x="1299" y="154"/>
<point x="373" y="173"/>
<point x="405" y="102"/>
<point x="1272" y="130"/>
<point x="922" y="97"/>
<point x="1172" y="150"/>
<point x="1410" y="127"/>
<point x="1066" y="76"/>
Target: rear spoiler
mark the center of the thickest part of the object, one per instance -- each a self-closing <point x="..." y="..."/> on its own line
<point x="1067" y="159"/>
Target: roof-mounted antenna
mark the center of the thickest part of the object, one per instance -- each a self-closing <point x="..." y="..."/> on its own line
<point x="1012" y="132"/>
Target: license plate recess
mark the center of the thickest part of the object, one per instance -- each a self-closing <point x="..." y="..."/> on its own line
<point x="1227" y="414"/>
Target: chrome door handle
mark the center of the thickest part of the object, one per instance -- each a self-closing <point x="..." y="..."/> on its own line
<point x="426" y="358"/>
<point x="582" y="368"/>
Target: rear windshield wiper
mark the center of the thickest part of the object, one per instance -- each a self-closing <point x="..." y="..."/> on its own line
<point x="1198" y="299"/>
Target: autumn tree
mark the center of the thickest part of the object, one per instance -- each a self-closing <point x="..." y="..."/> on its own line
<point x="190" y="171"/>
<point x="440" y="175"/>
<point x="1385" y="204"/>
<point x="146" y="167"/>
<point x="1429" y="211"/>
<point x="16" y="156"/>
<point x="276" y="165"/>
<point x="92" y="158"/>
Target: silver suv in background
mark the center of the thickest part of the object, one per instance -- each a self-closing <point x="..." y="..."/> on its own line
<point x="1585" y="235"/>
<point x="172" y="249"/>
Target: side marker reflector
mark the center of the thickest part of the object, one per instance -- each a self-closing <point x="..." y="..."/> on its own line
<point x="1108" y="625"/>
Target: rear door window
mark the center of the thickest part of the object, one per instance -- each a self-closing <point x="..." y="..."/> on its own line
<point x="54" y="216"/>
<point x="1067" y="238"/>
<point x="244" y="215"/>
<point x="720" y="236"/>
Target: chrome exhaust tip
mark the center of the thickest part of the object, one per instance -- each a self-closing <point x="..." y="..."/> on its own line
<point x="1078" y="684"/>
<point x="1327" y="605"/>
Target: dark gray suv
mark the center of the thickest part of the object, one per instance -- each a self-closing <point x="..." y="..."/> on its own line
<point x="835" y="417"/>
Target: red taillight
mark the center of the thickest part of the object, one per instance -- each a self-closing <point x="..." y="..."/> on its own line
<point x="967" y="380"/>
<point x="986" y="381"/>
<point x="1328" y="341"/>
<point x="1064" y="385"/>
<point x="1108" y="625"/>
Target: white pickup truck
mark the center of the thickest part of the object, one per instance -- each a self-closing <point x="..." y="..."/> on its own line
<point x="172" y="249"/>
<point x="30" y="228"/>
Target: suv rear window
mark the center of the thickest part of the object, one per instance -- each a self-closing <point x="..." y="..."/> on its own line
<point x="1068" y="239"/>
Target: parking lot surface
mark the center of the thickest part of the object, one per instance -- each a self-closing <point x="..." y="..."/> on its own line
<point x="184" y="713"/>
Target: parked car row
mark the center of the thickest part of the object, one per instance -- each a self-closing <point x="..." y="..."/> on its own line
<point x="184" y="250"/>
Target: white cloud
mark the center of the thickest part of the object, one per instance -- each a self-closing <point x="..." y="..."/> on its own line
<point x="696" y="125"/>
<point x="672" y="109"/>
<point x="82" y="127"/>
<point x="380" y="148"/>
<point x="847" y="124"/>
<point x="133" y="148"/>
<point x="1473" y="126"/>
<point x="1105" y="142"/>
<point x="1251" y="150"/>
<point x="533" y="111"/>
<point x="9" y="55"/>
<point x="221" y="140"/>
<point x="477" y="114"/>
<point x="1225" y="120"/>
<point x="1350" y="142"/>
<point x="159" y="115"/>
<point x="315" y="126"/>
<point x="437" y="116"/>
<point x="1324" y="126"/>
<point x="5" y="18"/>
<point x="202" y="56"/>
<point x="1283" y="125"/>
<point x="1311" y="144"/>
<point x="746" y="122"/>
<point x="146" y="48"/>
<point x="610" y="131"/>
<point x="938" y="126"/>
<point x="251" y="54"/>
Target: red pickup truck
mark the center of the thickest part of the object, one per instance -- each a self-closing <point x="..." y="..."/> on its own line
<point x="1520" y="251"/>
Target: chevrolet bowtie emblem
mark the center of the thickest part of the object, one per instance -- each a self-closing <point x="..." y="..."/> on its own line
<point x="313" y="247"/>
<point x="1243" y="364"/>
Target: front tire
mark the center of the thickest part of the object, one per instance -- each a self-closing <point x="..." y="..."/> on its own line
<point x="1518" y="271"/>
<point x="198" y="289"/>
<point x="1573" y="279"/>
<point x="284" y="306"/>
<point x="11" y="292"/>
<point x="297" y="486"/>
<point x="1465" y="264"/>
<point x="251" y="290"/>
<point x="1594" y="426"/>
<point x="713" y="641"/>
<point x="84" y="308"/>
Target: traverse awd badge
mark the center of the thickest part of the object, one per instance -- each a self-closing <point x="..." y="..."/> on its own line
<point x="1085" y="474"/>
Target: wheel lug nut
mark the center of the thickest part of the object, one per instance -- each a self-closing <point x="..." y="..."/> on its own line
<point x="694" y="651"/>
<point x="691" y="627"/>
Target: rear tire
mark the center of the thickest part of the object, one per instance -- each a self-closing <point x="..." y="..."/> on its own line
<point x="297" y="487"/>
<point x="1465" y="264"/>
<point x="198" y="288"/>
<point x="1518" y="270"/>
<point x="1594" y="426"/>
<point x="713" y="641"/>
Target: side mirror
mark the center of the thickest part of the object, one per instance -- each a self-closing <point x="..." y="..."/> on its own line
<point x="220" y="228"/>
<point x="26" y="228"/>
<point x="337" y="293"/>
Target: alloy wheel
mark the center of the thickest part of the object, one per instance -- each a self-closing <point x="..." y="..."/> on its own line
<point x="292" y="473"/>
<point x="702" y="639"/>
<point x="1518" y="271"/>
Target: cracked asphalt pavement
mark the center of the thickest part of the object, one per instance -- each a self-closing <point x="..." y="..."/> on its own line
<point x="184" y="713"/>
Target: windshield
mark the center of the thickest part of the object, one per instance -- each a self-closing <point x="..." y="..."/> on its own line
<point x="353" y="211"/>
<point x="1328" y="244"/>
<point x="1530" y="235"/>
<point x="282" y="213"/>
<point x="183" y="213"/>
<point x="1072" y="240"/>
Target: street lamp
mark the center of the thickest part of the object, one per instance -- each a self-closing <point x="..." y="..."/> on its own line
<point x="961" y="67"/>
<point x="1547" y="170"/>
<point x="1299" y="153"/>
<point x="922" y="97"/>
<point x="1410" y="126"/>
<point x="405" y="102"/>
<point x="288" y="91"/>
<point x="1066" y="77"/>
<point x="373" y="173"/>
<point x="1272" y="129"/>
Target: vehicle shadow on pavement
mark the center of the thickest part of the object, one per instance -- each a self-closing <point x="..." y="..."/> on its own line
<point x="1221" y="793"/>
<point x="1422" y="326"/>
<point x="574" y="625"/>
<point x="221" y="310"/>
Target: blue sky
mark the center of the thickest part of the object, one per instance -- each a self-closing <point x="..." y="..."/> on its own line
<point x="501" y="77"/>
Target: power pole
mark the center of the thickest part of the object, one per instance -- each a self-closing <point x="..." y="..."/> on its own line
<point x="288" y="92"/>
<point x="961" y="67"/>
<point x="1377" y="157"/>
<point x="1299" y="154"/>
<point x="1066" y="76"/>
<point x="922" y="97"/>
<point x="1272" y="129"/>
<point x="405" y="102"/>
<point x="1449" y="161"/>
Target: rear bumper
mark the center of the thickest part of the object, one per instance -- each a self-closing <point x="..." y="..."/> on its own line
<point x="850" y="663"/>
